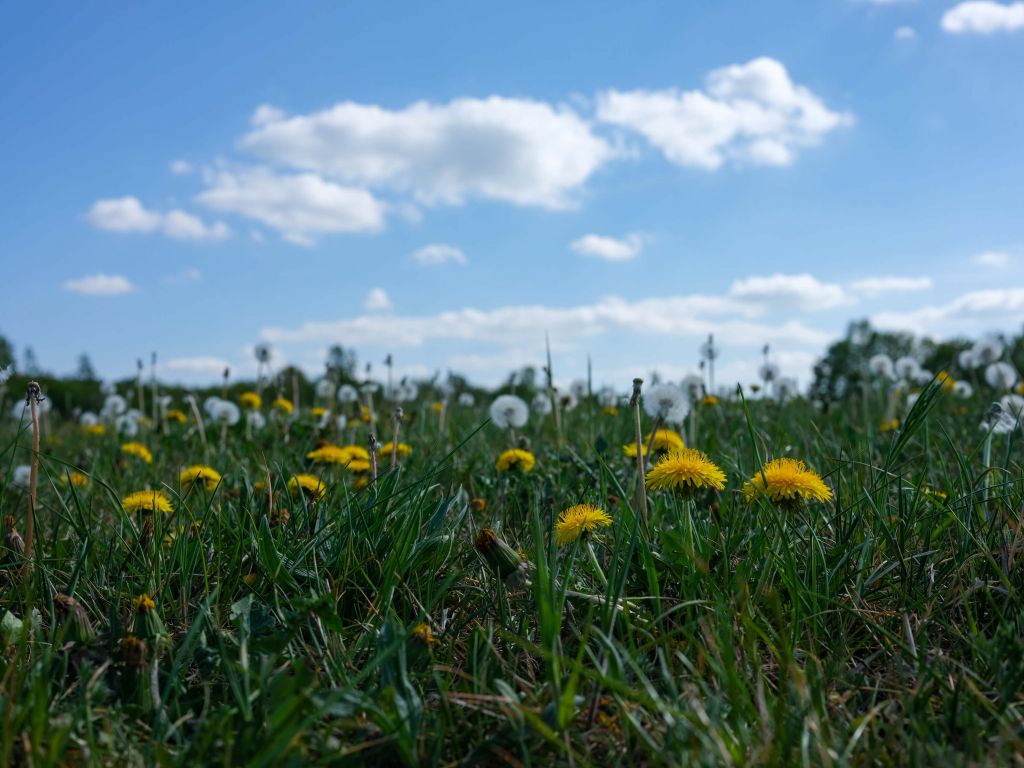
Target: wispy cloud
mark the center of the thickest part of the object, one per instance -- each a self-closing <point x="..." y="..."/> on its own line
<point x="99" y="285"/>
<point x="438" y="253"/>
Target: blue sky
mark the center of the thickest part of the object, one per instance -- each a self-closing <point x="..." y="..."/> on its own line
<point x="196" y="178"/>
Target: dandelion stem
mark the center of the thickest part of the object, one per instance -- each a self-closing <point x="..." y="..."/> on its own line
<point x="592" y="555"/>
<point x="32" y="396"/>
<point x="394" y="437"/>
<point x="373" y="457"/>
<point x="641" y="491"/>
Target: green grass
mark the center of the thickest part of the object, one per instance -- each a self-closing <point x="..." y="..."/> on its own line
<point x="884" y="628"/>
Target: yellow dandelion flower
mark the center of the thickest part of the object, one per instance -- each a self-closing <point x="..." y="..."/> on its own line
<point x="364" y="413"/>
<point x="147" y="501"/>
<point x="282" y="405"/>
<point x="610" y="410"/>
<point x="422" y="634"/>
<point x="516" y="459"/>
<point x="709" y="401"/>
<point x="310" y="485"/>
<point x="686" y="470"/>
<point x="178" y="416"/>
<point x="437" y="407"/>
<point x="361" y="481"/>
<point x="665" y="440"/>
<point x="209" y="476"/>
<point x="359" y="465"/>
<point x="947" y="381"/>
<point x="79" y="480"/>
<point x="889" y="425"/>
<point x="250" y="400"/>
<point x="403" y="449"/>
<point x="578" y="520"/>
<point x="343" y="455"/>
<point x="95" y="429"/>
<point x="138" y="450"/>
<point x="143" y="603"/>
<point x="787" y="481"/>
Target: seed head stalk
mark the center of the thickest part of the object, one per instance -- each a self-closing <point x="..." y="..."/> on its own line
<point x="397" y="424"/>
<point x="33" y="396"/>
<point x="641" y="491"/>
<point x="373" y="457"/>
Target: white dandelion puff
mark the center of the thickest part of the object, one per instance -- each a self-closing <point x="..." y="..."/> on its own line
<point x="667" y="403"/>
<point x="1001" y="375"/>
<point x="882" y="365"/>
<point x="541" y="404"/>
<point x="509" y="411"/>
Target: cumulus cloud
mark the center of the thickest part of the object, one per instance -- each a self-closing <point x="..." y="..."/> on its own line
<point x="517" y="151"/>
<point x="301" y="206"/>
<point x="99" y="285"/>
<point x="690" y="315"/>
<point x="905" y="33"/>
<point x="992" y="259"/>
<point x="438" y="253"/>
<point x="377" y="300"/>
<point x="609" y="248"/>
<point x="977" y="309"/>
<point x="803" y="291"/>
<point x="983" y="17"/>
<point x="749" y="113"/>
<point x="875" y="286"/>
<point x="127" y="214"/>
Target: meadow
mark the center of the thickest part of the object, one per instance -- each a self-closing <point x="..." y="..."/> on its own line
<point x="277" y="576"/>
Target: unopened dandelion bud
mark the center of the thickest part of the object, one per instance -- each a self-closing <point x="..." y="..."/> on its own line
<point x="79" y="628"/>
<point x="635" y="397"/>
<point x="146" y="622"/>
<point x="499" y="555"/>
<point x="12" y="539"/>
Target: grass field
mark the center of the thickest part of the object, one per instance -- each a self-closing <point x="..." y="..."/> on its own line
<point x="431" y="616"/>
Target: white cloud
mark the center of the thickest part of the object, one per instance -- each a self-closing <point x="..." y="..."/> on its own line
<point x="185" y="226"/>
<point x="377" y="300"/>
<point x="438" y="253"/>
<point x="266" y="113"/>
<point x="127" y="214"/>
<point x="208" y="366"/>
<point x="609" y="248"/>
<point x="300" y="206"/>
<point x="190" y="275"/>
<point x="802" y="291"/>
<point x="983" y="17"/>
<point x="181" y="167"/>
<point x="123" y="214"/>
<point x="905" y="33"/>
<point x="99" y="285"/>
<point x="1003" y="307"/>
<point x="518" y="151"/>
<point x="693" y="315"/>
<point x="993" y="259"/>
<point x="875" y="286"/>
<point x="749" y="113"/>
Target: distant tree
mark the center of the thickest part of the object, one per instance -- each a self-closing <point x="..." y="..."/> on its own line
<point x="343" y="360"/>
<point x="85" y="371"/>
<point x="6" y="352"/>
